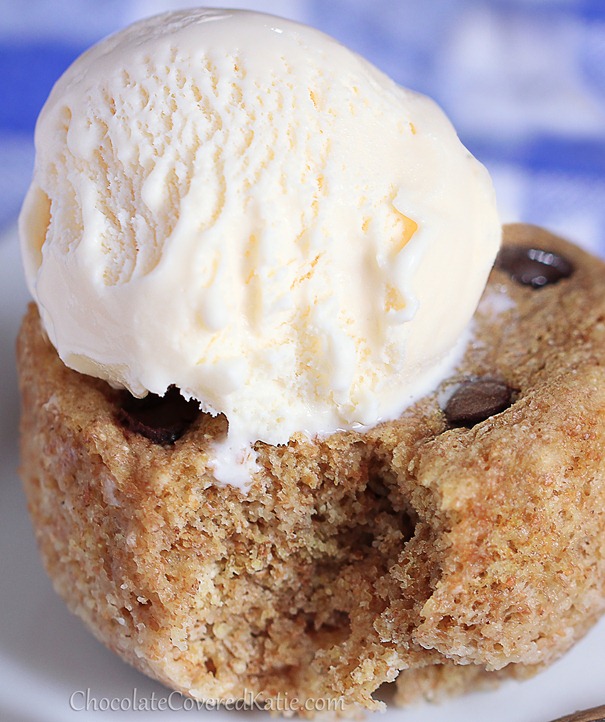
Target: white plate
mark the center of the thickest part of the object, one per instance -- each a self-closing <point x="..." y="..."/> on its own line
<point x="47" y="657"/>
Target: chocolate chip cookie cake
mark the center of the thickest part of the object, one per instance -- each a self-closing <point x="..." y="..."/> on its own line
<point x="456" y="545"/>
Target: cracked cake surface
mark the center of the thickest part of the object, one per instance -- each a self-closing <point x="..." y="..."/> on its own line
<point x="437" y="550"/>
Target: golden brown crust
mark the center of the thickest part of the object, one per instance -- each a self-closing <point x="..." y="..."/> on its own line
<point x="444" y="557"/>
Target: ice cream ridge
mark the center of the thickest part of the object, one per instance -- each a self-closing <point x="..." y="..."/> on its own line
<point x="238" y="206"/>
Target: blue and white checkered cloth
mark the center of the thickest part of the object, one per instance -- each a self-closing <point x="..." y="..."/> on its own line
<point x="522" y="80"/>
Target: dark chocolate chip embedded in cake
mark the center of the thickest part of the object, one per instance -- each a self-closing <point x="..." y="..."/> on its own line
<point x="475" y="401"/>
<point x="535" y="267"/>
<point x="162" y="419"/>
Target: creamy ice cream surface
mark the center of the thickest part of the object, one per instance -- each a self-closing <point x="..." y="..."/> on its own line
<point x="238" y="205"/>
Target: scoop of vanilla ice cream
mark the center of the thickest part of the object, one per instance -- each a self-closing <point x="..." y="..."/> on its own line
<point x="238" y="205"/>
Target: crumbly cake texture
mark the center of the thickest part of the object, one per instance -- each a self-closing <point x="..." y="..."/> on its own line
<point x="445" y="558"/>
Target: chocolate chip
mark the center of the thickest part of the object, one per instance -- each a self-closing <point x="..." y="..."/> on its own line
<point x="162" y="419"/>
<point x="475" y="401"/>
<point x="535" y="267"/>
